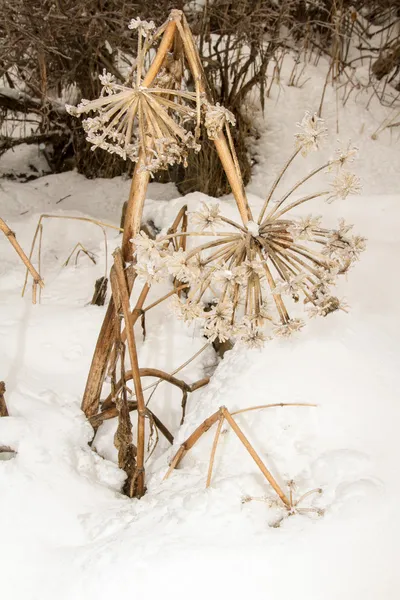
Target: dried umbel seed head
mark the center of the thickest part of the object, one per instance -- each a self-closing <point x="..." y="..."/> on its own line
<point x="312" y="133"/>
<point x="155" y="121"/>
<point x="137" y="120"/>
<point x="242" y="278"/>
<point x="216" y="118"/>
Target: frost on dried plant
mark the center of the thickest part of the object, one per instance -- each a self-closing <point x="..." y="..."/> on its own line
<point x="245" y="280"/>
<point x="135" y="120"/>
<point x="312" y="133"/>
<point x="156" y="122"/>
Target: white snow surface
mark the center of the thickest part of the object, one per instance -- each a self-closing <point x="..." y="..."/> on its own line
<point x="66" y="531"/>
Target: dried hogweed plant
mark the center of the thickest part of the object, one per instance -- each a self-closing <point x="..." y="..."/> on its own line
<point x="239" y="279"/>
<point x="143" y="118"/>
<point x="235" y="282"/>
<point x="153" y="120"/>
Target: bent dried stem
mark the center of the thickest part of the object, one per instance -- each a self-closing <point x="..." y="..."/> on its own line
<point x="10" y="235"/>
<point x="220" y="415"/>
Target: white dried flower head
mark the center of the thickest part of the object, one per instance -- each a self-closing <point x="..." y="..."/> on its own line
<point x="107" y="80"/>
<point x="345" y="184"/>
<point x="290" y="286"/>
<point x="151" y="270"/>
<point x="187" y="310"/>
<point x="145" y="247"/>
<point x="221" y="330"/>
<point x="327" y="275"/>
<point x="230" y="276"/>
<point x="216" y="117"/>
<point x="127" y="117"/>
<point x="345" y="154"/>
<point x="253" y="268"/>
<point x="145" y="26"/>
<point x="222" y="311"/>
<point x="356" y="245"/>
<point x="178" y="266"/>
<point x="289" y="328"/>
<point x="312" y="135"/>
<point x="252" y="337"/>
<point x="344" y="227"/>
<point x="304" y="229"/>
<point x="207" y="217"/>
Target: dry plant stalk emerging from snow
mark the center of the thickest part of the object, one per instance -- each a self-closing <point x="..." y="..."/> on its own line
<point x="231" y="282"/>
<point x="240" y="276"/>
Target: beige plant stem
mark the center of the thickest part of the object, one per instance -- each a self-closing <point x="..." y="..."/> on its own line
<point x="277" y="404"/>
<point x="192" y="439"/>
<point x="10" y="235"/>
<point x="132" y="222"/>
<point x="214" y="449"/>
<point x="255" y="457"/>
<point x="221" y="145"/>
<point x="276" y="183"/>
<point x="124" y="298"/>
<point x="134" y="209"/>
<point x="220" y="415"/>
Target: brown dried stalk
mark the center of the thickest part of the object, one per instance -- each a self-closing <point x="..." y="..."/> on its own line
<point x="10" y="235"/>
<point x="3" y="405"/>
<point x="177" y="22"/>
<point x="112" y="412"/>
<point x="162" y="376"/>
<point x="123" y="290"/>
<point x="123" y="439"/>
<point x="224" y="152"/>
<point x="220" y="415"/>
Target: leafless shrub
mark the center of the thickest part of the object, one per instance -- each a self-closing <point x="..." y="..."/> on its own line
<point x="55" y="51"/>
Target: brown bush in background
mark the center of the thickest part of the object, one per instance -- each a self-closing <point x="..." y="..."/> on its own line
<point x="56" y="49"/>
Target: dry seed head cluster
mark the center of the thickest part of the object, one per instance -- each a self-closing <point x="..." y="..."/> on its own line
<point x="242" y="279"/>
<point x="157" y="123"/>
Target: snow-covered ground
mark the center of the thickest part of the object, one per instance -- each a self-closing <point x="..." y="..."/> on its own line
<point x="66" y="531"/>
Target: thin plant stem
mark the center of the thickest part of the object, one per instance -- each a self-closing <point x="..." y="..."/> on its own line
<point x="10" y="235"/>
<point x="275" y="184"/>
<point x="214" y="449"/>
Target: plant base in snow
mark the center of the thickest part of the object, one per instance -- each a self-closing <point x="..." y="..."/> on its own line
<point x="154" y="120"/>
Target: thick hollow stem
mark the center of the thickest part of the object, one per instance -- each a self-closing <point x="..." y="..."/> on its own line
<point x="134" y="208"/>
